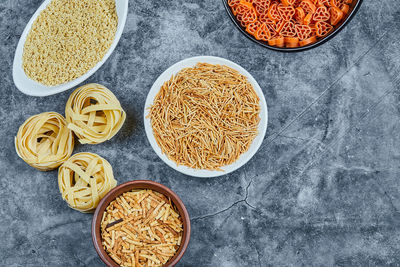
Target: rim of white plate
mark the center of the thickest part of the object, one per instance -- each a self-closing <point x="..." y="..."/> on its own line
<point x="30" y="87"/>
<point x="244" y="158"/>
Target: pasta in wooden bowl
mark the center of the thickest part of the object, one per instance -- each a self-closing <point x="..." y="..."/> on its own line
<point x="142" y="228"/>
<point x="141" y="223"/>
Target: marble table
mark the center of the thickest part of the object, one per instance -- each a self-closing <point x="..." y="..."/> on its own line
<point x="323" y="190"/>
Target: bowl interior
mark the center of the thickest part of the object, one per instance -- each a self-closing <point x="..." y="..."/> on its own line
<point x="30" y="87"/>
<point x="191" y="62"/>
<point x="139" y="184"/>
<point x="354" y="6"/>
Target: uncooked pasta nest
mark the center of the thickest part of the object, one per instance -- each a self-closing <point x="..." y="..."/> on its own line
<point x="44" y="141"/>
<point x="94" y="114"/>
<point x="84" y="179"/>
<point x="205" y="117"/>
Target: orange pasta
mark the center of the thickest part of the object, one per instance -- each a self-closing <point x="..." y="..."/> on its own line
<point x="289" y="23"/>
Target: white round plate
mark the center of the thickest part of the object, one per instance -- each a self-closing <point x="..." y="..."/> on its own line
<point x="191" y="62"/>
<point x="30" y="87"/>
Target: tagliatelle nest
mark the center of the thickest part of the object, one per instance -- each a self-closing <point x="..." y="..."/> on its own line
<point x="44" y="141"/>
<point x="206" y="116"/>
<point x="84" y="179"/>
<point x="94" y="114"/>
<point x="141" y="228"/>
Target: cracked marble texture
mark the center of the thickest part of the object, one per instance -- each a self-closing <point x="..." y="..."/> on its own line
<point x="323" y="190"/>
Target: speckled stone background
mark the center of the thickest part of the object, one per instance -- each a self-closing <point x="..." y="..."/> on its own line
<point x="323" y="190"/>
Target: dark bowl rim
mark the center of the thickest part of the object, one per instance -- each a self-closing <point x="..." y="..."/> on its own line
<point x="300" y="48"/>
<point x="95" y="231"/>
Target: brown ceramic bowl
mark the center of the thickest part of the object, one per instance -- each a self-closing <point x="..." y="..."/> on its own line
<point x="139" y="184"/>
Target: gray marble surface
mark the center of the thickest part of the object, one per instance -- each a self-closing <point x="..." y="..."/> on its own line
<point x="323" y="190"/>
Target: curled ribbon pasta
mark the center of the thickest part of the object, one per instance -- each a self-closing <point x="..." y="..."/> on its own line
<point x="94" y="114"/>
<point x="44" y="141"/>
<point x="84" y="179"/>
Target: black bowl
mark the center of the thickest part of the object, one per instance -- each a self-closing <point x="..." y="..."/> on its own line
<point x="354" y="7"/>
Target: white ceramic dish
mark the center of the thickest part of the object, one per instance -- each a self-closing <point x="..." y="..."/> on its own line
<point x="31" y="87"/>
<point x="190" y="62"/>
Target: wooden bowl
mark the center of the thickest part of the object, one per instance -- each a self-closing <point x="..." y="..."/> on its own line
<point x="139" y="184"/>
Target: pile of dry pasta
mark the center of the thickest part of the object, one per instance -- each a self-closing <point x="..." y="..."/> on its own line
<point x="206" y="116"/>
<point x="141" y="228"/>
<point x="69" y="38"/>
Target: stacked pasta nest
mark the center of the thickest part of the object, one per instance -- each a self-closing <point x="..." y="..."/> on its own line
<point x="45" y="141"/>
